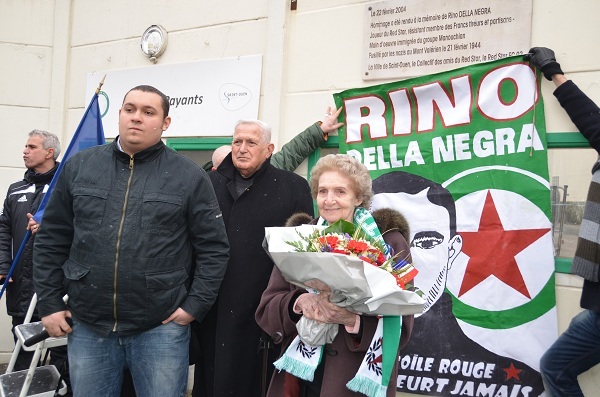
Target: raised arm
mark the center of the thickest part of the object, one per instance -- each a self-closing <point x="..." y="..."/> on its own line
<point x="293" y="153"/>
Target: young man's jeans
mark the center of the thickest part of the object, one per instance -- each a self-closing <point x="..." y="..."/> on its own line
<point x="157" y="359"/>
<point x="574" y="352"/>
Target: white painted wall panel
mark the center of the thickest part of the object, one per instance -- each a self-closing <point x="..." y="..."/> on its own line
<point x="117" y="20"/>
<point x="25" y="72"/>
<point x="27" y="21"/>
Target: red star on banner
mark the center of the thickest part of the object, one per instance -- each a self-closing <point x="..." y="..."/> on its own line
<point x="492" y="250"/>
<point x="512" y="372"/>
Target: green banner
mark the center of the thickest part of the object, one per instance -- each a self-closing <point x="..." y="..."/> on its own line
<point x="462" y="155"/>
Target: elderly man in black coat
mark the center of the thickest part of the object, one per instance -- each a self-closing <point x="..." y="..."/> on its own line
<point x="252" y="195"/>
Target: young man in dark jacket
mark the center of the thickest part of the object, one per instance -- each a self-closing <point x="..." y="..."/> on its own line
<point x="578" y="348"/>
<point x="22" y="199"/>
<point x="135" y="233"/>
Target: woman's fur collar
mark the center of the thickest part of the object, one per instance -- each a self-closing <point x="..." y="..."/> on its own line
<point x="387" y="220"/>
<point x="299" y="218"/>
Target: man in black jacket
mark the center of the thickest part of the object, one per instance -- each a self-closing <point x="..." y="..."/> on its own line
<point x="135" y="233"/>
<point x="578" y="348"/>
<point x="252" y="194"/>
<point x="23" y="199"/>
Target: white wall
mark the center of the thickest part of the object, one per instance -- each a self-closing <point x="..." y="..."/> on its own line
<point x="48" y="47"/>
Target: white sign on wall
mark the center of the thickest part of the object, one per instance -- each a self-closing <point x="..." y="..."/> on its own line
<point x="409" y="38"/>
<point x="207" y="98"/>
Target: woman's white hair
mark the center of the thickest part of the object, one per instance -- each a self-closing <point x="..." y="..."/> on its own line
<point x="346" y="165"/>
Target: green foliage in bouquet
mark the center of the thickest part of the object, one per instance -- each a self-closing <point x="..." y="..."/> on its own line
<point x="343" y="237"/>
<point x="342" y="228"/>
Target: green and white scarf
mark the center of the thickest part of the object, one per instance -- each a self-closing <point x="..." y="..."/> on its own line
<point x="375" y="371"/>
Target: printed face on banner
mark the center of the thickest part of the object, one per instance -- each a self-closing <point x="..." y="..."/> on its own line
<point x="433" y="244"/>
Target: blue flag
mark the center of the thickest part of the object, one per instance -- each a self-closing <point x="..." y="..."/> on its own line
<point x="89" y="133"/>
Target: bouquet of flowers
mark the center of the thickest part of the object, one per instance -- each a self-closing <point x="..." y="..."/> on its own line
<point x="358" y="273"/>
<point x="345" y="238"/>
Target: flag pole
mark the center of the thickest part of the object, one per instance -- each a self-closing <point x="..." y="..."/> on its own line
<point x="100" y="85"/>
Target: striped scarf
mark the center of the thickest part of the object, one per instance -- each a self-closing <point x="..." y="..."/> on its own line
<point x="587" y="255"/>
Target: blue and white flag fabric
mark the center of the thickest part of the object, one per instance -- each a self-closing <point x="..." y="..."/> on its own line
<point x="89" y="133"/>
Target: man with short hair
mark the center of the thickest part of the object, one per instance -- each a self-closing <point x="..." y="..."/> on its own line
<point x="22" y="200"/>
<point x="134" y="233"/>
<point x="252" y="194"/>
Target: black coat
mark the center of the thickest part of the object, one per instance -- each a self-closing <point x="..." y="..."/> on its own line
<point x="585" y="114"/>
<point x="22" y="197"/>
<point x="133" y="238"/>
<point x="229" y="335"/>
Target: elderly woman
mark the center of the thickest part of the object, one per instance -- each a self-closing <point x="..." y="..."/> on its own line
<point x="341" y="185"/>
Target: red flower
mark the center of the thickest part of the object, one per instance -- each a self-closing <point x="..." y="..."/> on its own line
<point x="329" y="240"/>
<point x="357" y="246"/>
<point x="346" y="239"/>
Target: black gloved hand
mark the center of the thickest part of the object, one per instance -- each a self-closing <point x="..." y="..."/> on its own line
<point x="543" y="58"/>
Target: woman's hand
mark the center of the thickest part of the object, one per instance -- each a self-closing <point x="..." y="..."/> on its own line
<point x="317" y="307"/>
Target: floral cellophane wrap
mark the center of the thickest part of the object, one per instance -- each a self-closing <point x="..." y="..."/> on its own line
<point x="352" y="283"/>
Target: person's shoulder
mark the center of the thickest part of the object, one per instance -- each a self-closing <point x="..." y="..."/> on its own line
<point x="288" y="175"/>
<point x="299" y="218"/>
<point x="18" y="185"/>
<point x="179" y="160"/>
<point x="388" y="220"/>
<point x="217" y="177"/>
<point x="296" y="183"/>
<point x="92" y="151"/>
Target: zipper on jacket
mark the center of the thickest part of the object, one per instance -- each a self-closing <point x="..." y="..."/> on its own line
<point x="119" y="242"/>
